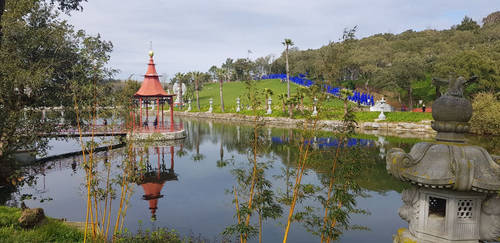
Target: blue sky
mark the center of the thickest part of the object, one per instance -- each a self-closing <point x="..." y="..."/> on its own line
<point x="196" y="34"/>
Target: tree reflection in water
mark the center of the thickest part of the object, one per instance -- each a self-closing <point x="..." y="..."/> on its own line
<point x="276" y="163"/>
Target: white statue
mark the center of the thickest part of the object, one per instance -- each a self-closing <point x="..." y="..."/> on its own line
<point x="381" y="105"/>
<point x="177" y="91"/>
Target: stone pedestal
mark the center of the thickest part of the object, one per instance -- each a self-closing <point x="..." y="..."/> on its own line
<point x="269" y="110"/>
<point x="315" y="111"/>
<point x="210" y="109"/>
<point x="238" y="109"/>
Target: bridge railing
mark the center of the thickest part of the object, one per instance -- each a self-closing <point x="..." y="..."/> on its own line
<point x="161" y="127"/>
<point x="119" y="129"/>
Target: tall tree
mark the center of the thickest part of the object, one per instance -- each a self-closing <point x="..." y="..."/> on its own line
<point x="468" y="24"/>
<point x="406" y="69"/>
<point x="45" y="63"/>
<point x="221" y="75"/>
<point x="197" y="77"/>
<point x="179" y="77"/>
<point x="287" y="43"/>
<point x="64" y="5"/>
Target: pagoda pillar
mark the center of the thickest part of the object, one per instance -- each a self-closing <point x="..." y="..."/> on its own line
<point x="162" y="122"/>
<point x="157" y="113"/>
<point x="171" y="114"/>
<point x="140" y="112"/>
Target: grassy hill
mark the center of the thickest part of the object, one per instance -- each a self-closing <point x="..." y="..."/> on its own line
<point x="232" y="90"/>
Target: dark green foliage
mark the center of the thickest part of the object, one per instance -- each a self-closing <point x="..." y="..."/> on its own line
<point x="399" y="62"/>
<point x="486" y="116"/>
<point x="468" y="24"/>
<point x="41" y="56"/>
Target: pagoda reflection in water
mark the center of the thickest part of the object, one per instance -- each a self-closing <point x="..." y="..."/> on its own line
<point x="152" y="178"/>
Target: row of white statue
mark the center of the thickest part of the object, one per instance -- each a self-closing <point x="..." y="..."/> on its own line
<point x="380" y="105"/>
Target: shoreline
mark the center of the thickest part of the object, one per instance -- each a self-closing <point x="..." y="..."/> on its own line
<point x="400" y="129"/>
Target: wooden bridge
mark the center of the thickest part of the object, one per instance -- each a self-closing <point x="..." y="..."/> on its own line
<point x="115" y="130"/>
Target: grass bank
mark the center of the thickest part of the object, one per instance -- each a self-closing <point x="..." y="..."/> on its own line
<point x="51" y="230"/>
<point x="233" y="90"/>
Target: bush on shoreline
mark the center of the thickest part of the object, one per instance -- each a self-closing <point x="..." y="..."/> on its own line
<point x="486" y="115"/>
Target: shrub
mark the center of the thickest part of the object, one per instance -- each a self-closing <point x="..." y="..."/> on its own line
<point x="486" y="115"/>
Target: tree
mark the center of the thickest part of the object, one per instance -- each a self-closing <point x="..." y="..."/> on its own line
<point x="197" y="77"/>
<point x="41" y="55"/>
<point x="263" y="65"/>
<point x="228" y="66"/>
<point x="468" y="24"/>
<point x="221" y="75"/>
<point x="242" y="68"/>
<point x="180" y="78"/>
<point x="287" y="43"/>
<point x="213" y="72"/>
<point x="344" y="95"/>
<point x="282" y="98"/>
<point x="406" y="69"/>
<point x="64" y="5"/>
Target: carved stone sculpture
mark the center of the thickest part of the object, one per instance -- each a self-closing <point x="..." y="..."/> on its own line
<point x="457" y="185"/>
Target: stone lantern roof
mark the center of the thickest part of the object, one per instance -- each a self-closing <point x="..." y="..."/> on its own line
<point x="445" y="165"/>
<point x="449" y="162"/>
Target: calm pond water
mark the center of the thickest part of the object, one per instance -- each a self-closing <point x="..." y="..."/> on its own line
<point x="197" y="200"/>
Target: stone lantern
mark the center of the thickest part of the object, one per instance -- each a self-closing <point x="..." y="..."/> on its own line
<point x="315" y="111"/>
<point x="210" y="109"/>
<point x="238" y="104"/>
<point x="269" y="110"/>
<point x="455" y="197"/>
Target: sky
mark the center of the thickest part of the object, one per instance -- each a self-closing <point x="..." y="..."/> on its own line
<point x="190" y="35"/>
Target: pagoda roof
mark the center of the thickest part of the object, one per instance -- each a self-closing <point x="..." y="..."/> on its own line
<point x="151" y="86"/>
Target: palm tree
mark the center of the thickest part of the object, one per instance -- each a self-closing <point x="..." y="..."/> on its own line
<point x="196" y="76"/>
<point x="292" y="101"/>
<point x="282" y="97"/>
<point x="287" y="43"/>
<point x="178" y="77"/>
<point x="221" y="74"/>
<point x="301" y="93"/>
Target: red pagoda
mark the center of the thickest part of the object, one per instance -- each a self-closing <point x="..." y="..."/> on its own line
<point x="152" y="92"/>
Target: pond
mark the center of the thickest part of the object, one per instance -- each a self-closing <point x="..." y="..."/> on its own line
<point x="195" y="193"/>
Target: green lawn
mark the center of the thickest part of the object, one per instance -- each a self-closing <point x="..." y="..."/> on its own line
<point x="335" y="107"/>
<point x="52" y="230"/>
<point x="233" y="90"/>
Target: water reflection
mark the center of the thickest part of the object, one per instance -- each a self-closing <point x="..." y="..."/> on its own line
<point x="214" y="158"/>
<point x="153" y="179"/>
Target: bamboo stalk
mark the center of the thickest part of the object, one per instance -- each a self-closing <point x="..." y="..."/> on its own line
<point x="85" y="162"/>
<point x="237" y="210"/>
<point x="300" y="172"/>
<point x="330" y="187"/>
